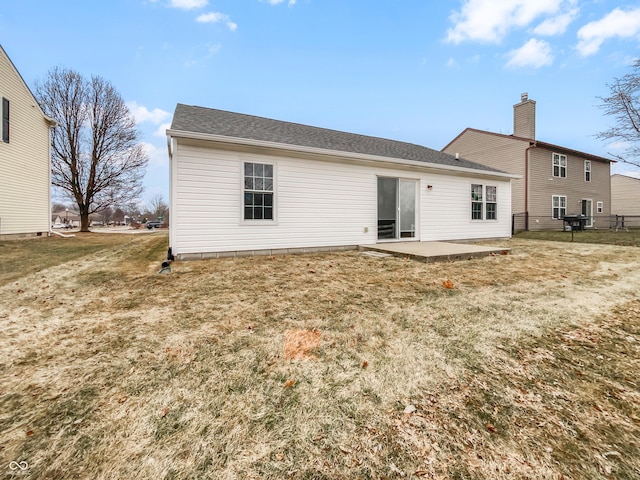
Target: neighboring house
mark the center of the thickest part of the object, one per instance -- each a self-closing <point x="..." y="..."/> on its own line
<point x="246" y="185"/>
<point x="625" y="196"/>
<point x="65" y="219"/>
<point x="555" y="180"/>
<point x="25" y="182"/>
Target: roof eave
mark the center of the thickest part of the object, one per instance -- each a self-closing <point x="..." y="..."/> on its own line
<point x="335" y="153"/>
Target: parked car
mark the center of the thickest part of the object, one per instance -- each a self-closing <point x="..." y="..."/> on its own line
<point x="153" y="224"/>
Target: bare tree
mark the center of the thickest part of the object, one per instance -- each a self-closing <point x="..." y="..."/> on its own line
<point x="97" y="160"/>
<point x="159" y="207"/>
<point x="623" y="104"/>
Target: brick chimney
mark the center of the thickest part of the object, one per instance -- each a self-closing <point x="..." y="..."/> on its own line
<point x="524" y="118"/>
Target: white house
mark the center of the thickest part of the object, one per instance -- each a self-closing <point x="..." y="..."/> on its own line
<point x="25" y="160"/>
<point x="246" y="185"/>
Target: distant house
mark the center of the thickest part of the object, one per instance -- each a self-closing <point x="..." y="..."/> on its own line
<point x="555" y="180"/>
<point x="65" y="219"/>
<point x="25" y="163"/>
<point x="625" y="196"/>
<point x="246" y="185"/>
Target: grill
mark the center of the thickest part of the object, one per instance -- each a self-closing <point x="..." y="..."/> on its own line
<point x="574" y="222"/>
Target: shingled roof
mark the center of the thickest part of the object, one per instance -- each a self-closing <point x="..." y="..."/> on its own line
<point x="240" y="126"/>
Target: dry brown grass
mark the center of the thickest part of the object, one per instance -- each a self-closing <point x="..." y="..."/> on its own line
<point x="323" y="366"/>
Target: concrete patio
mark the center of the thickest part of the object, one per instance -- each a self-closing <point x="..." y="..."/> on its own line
<point x="435" y="251"/>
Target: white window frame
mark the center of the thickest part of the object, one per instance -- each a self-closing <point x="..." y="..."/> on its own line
<point x="559" y="161"/>
<point x="482" y="198"/>
<point x="587" y="170"/>
<point x="562" y="199"/>
<point x="599" y="207"/>
<point x="258" y="191"/>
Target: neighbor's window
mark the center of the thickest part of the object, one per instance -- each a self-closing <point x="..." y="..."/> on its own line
<point x="559" y="165"/>
<point x="559" y="203"/>
<point x="258" y="191"/>
<point x="587" y="170"/>
<point x="5" y="120"/>
<point x="483" y="202"/>
<point x="599" y="207"/>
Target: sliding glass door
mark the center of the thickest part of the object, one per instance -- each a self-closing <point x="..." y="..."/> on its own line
<point x="396" y="208"/>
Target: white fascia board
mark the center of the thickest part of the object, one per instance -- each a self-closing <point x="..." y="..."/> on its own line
<point x="335" y="153"/>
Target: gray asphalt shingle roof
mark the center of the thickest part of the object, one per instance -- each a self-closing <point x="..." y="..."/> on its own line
<point x="237" y="125"/>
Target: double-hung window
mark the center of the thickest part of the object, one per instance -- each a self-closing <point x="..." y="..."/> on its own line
<point x="491" y="203"/>
<point x="587" y="170"/>
<point x="484" y="202"/>
<point x="559" y="165"/>
<point x="559" y="206"/>
<point x="599" y="207"/>
<point x="4" y="127"/>
<point x="258" y="191"/>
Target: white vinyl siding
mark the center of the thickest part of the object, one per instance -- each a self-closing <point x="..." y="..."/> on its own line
<point x="24" y="157"/>
<point x="319" y="203"/>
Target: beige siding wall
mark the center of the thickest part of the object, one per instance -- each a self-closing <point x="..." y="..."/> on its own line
<point x="24" y="161"/>
<point x="574" y="186"/>
<point x="506" y="154"/>
<point x="524" y="119"/>
<point x="625" y="195"/>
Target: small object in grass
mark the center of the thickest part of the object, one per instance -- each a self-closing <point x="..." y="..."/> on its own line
<point x="410" y="409"/>
<point x="20" y="290"/>
<point x="163" y="412"/>
<point x="447" y="284"/>
<point x="491" y="428"/>
<point x="29" y="433"/>
<point x="395" y="469"/>
<point x="365" y="364"/>
<point x="289" y="383"/>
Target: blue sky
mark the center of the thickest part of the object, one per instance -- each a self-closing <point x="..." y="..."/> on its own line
<point x="410" y="70"/>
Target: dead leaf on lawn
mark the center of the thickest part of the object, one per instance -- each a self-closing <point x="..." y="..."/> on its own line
<point x="289" y="383"/>
<point x="447" y="284"/>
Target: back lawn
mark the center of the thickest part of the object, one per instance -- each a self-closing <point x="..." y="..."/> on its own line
<point x="318" y="366"/>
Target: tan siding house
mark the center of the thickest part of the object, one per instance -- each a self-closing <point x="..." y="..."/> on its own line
<point x="25" y="182"/>
<point x="556" y="180"/>
<point x="625" y="195"/>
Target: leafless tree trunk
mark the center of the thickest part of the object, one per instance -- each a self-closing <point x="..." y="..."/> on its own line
<point x="623" y="104"/>
<point x="159" y="207"/>
<point x="96" y="158"/>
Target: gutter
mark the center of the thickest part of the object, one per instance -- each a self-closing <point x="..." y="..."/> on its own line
<point x="335" y="153"/>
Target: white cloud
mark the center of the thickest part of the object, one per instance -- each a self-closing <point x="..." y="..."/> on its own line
<point x="278" y="2"/>
<point x="157" y="156"/>
<point x="216" y="17"/>
<point x="491" y="20"/>
<point x="142" y="114"/>
<point x="556" y="25"/>
<point x="535" y="53"/>
<point x="451" y="62"/>
<point x="188" y="4"/>
<point x="162" y="130"/>
<point x="618" y="23"/>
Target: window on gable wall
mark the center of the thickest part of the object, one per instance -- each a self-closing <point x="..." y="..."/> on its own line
<point x="5" y="120"/>
<point x="559" y="165"/>
<point x="484" y="204"/>
<point x="258" y="191"/>
<point x="587" y="170"/>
